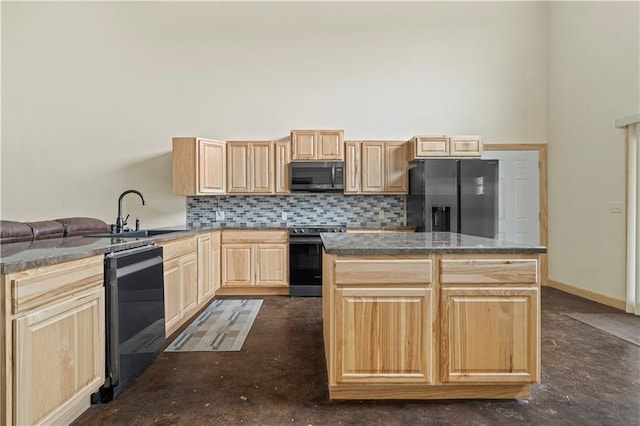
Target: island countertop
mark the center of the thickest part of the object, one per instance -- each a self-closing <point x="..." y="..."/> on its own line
<point x="420" y="243"/>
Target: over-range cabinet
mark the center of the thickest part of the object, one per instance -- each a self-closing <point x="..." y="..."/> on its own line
<point x="450" y="195"/>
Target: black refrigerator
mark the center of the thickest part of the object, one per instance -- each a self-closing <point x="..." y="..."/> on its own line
<point x="451" y="195"/>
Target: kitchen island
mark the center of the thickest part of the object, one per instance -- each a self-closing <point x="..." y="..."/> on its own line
<point x="430" y="316"/>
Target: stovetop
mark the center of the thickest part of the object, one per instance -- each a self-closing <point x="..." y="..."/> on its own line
<point x="315" y="230"/>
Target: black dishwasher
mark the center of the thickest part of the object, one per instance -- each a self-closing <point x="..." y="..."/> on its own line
<point x="135" y="332"/>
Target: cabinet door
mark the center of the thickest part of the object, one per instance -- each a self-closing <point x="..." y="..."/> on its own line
<point x="212" y="171"/>
<point x="205" y="268"/>
<point x="239" y="176"/>
<point x="372" y="167"/>
<point x="330" y="145"/>
<point x="172" y="295"/>
<point x="352" y="168"/>
<point x="59" y="358"/>
<point x="431" y="146"/>
<point x="189" y="267"/>
<point x="237" y="264"/>
<point x="395" y="174"/>
<point x="282" y="183"/>
<point x="261" y="170"/>
<point x="465" y="146"/>
<point x="384" y="335"/>
<point x="490" y="335"/>
<point x="271" y="265"/>
<point x="303" y="144"/>
<point x="215" y="261"/>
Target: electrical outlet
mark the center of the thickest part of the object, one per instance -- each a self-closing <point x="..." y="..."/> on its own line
<point x="616" y="207"/>
<point x="284" y="215"/>
<point x="219" y="216"/>
<point x="381" y="215"/>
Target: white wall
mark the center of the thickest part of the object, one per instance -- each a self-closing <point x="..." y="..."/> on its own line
<point x="93" y="92"/>
<point x="593" y="79"/>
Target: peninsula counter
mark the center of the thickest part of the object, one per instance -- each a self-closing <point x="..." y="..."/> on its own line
<point x="430" y="316"/>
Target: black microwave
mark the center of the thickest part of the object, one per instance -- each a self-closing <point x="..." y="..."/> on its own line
<point x="317" y="176"/>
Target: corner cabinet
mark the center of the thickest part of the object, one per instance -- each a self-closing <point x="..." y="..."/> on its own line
<point x="255" y="262"/>
<point x="317" y="145"/>
<point x="444" y="146"/>
<point x="199" y="166"/>
<point x="53" y="352"/>
<point x="376" y="167"/>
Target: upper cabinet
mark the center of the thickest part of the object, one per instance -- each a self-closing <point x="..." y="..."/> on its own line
<point x="199" y="166"/>
<point x="250" y="167"/>
<point x="283" y="158"/>
<point x="375" y="167"/>
<point x="317" y="145"/>
<point x="445" y="146"/>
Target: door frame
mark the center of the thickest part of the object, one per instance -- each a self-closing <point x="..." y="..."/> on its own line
<point x="542" y="157"/>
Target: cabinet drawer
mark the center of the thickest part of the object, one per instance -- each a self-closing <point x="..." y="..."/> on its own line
<point x="489" y="271"/>
<point x="258" y="236"/>
<point x="383" y="271"/>
<point x="178" y="248"/>
<point x="36" y="287"/>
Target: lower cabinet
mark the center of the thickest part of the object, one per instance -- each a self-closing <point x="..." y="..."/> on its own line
<point x="255" y="262"/>
<point x="60" y="357"/>
<point x="180" y="282"/>
<point x="395" y="323"/>
<point x="490" y="335"/>
<point x="205" y="267"/>
<point x="439" y="326"/>
<point x="191" y="276"/>
<point x="53" y="349"/>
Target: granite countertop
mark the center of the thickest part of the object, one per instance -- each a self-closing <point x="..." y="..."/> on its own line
<point x="420" y="243"/>
<point x="16" y="257"/>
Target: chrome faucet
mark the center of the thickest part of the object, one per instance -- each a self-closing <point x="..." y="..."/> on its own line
<point x="120" y="222"/>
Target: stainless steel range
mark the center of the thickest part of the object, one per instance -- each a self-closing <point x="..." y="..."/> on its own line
<point x="305" y="259"/>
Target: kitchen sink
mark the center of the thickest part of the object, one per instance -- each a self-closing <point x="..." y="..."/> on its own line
<point x="135" y="234"/>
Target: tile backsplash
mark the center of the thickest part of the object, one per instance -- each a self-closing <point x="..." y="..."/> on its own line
<point x="301" y="210"/>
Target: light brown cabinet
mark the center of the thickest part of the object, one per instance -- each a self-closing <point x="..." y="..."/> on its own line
<point x="205" y="267"/>
<point x="444" y="146"/>
<point x="375" y="167"/>
<point x="283" y="159"/>
<point x="180" y="282"/>
<point x="317" y="145"/>
<point x="490" y="319"/>
<point x="250" y="167"/>
<point x="53" y="353"/>
<point x="215" y="260"/>
<point x="199" y="166"/>
<point x="255" y="262"/>
<point x="387" y="319"/>
<point x="489" y="335"/>
<point x="431" y="326"/>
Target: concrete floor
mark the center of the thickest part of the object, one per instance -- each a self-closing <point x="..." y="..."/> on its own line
<point x="279" y="378"/>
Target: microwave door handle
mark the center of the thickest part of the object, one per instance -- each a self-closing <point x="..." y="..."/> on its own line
<point x="333" y="175"/>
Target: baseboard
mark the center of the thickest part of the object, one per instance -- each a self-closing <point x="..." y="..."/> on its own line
<point x="588" y="294"/>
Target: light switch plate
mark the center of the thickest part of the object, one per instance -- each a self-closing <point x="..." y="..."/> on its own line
<point x="381" y="215"/>
<point x="284" y="215"/>
<point x="616" y="207"/>
<point x="219" y="215"/>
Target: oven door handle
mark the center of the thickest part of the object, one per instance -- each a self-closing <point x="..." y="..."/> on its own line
<point x="305" y="240"/>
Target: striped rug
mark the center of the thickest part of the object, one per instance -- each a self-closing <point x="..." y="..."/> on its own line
<point x="223" y="326"/>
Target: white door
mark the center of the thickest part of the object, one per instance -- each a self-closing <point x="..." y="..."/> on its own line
<point x="519" y="195"/>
